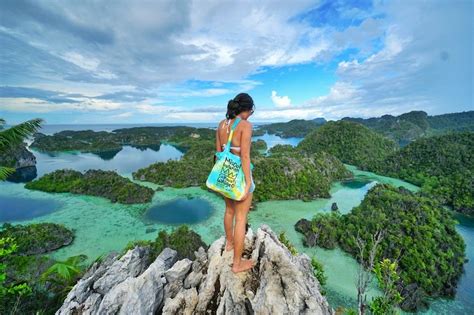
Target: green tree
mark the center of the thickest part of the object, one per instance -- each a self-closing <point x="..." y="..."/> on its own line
<point x="12" y="290"/>
<point x="62" y="275"/>
<point x="318" y="271"/>
<point x="387" y="276"/>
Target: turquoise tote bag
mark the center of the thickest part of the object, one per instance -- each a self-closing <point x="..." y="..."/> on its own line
<point x="227" y="176"/>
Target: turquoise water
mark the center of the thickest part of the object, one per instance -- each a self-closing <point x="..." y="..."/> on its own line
<point x="24" y="208"/>
<point x="101" y="226"/>
<point x="127" y="160"/>
<point x="273" y="140"/>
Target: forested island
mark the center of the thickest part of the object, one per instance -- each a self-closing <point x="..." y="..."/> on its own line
<point x="350" y="142"/>
<point x="107" y="184"/>
<point x="416" y="231"/>
<point x="402" y="129"/>
<point x="102" y="141"/>
<point x="292" y="128"/>
<point x="289" y="175"/>
<point x="39" y="238"/>
<point x="442" y="165"/>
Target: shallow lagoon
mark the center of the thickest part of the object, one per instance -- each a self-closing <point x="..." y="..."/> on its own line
<point x="102" y="226"/>
<point x="127" y="160"/>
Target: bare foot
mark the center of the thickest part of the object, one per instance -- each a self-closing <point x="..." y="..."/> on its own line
<point x="244" y="265"/>
<point x="229" y="246"/>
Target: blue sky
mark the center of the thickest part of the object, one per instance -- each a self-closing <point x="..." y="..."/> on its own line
<point x="181" y="61"/>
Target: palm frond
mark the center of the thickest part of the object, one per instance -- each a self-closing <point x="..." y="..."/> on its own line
<point x="16" y="134"/>
<point x="5" y="172"/>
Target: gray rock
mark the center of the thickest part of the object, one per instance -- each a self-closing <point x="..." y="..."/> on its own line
<point x="140" y="295"/>
<point x="183" y="303"/>
<point x="175" y="277"/>
<point x="129" y="265"/>
<point x="17" y="156"/>
<point x="280" y="283"/>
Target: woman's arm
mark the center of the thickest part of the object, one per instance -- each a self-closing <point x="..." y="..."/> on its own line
<point x="245" y="144"/>
<point x="218" y="142"/>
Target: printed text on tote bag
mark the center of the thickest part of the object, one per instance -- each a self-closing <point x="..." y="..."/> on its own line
<point x="228" y="174"/>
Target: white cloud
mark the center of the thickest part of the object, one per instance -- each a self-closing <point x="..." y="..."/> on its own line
<point x="35" y="105"/>
<point x="122" y="115"/>
<point x="425" y="64"/>
<point x="153" y="47"/>
<point x="280" y="101"/>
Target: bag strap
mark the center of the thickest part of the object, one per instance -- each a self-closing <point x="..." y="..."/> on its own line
<point x="227" y="146"/>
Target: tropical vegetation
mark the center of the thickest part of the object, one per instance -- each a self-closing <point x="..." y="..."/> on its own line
<point x="107" y="184"/>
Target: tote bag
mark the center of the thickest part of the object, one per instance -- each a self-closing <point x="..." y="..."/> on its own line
<point x="227" y="176"/>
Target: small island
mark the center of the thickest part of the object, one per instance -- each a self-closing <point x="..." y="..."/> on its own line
<point x="37" y="238"/>
<point x="417" y="231"/>
<point x="442" y="165"/>
<point x="292" y="174"/>
<point x="107" y="184"/>
<point x="350" y="142"/>
<point x="292" y="128"/>
<point x="103" y="141"/>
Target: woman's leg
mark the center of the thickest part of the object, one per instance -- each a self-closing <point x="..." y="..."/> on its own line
<point x="241" y="211"/>
<point x="229" y="223"/>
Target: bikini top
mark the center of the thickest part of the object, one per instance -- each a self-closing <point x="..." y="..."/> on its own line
<point x="227" y="122"/>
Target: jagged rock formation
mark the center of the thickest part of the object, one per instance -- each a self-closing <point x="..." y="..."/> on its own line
<point x="17" y="156"/>
<point x="20" y="158"/>
<point x="279" y="283"/>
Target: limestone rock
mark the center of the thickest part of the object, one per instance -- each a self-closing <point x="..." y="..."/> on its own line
<point x="279" y="283"/>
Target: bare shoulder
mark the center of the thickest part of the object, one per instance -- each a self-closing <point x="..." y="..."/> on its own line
<point x="246" y="124"/>
<point x="220" y="123"/>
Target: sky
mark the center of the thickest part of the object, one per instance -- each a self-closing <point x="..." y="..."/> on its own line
<point x="123" y="61"/>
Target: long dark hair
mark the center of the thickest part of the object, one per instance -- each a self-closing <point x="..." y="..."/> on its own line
<point x="240" y="103"/>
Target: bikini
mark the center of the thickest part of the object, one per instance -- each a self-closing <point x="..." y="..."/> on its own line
<point x="227" y="122"/>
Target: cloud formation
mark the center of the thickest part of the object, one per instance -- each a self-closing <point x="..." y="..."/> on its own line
<point x="178" y="60"/>
<point x="280" y="101"/>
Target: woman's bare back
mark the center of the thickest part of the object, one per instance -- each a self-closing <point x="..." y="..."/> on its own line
<point x="223" y="135"/>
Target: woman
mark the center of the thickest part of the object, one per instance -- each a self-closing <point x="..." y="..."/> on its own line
<point x="241" y="106"/>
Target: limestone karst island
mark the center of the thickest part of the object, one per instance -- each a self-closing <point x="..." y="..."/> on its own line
<point x="236" y="157"/>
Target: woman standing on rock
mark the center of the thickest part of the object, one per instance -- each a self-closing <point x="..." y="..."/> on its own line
<point x="241" y="107"/>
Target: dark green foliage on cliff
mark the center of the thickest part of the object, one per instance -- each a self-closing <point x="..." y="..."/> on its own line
<point x="410" y="126"/>
<point x="281" y="149"/>
<point x="402" y="129"/>
<point x="182" y="239"/>
<point x="463" y="121"/>
<point x="37" y="238"/>
<point x="292" y="128"/>
<point x="83" y="140"/>
<point x="441" y="165"/>
<point x="259" y="145"/>
<point x="107" y="184"/>
<point x="27" y="264"/>
<point x="296" y="175"/>
<point x="418" y="232"/>
<point x="350" y="142"/>
<point x="323" y="230"/>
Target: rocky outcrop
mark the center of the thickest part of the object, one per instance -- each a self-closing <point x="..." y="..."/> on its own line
<point x="17" y="157"/>
<point x="280" y="283"/>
